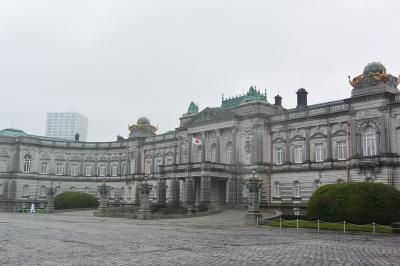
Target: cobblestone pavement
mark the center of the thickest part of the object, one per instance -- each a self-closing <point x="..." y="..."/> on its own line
<point x="78" y="238"/>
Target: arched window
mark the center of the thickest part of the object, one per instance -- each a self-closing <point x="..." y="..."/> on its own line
<point x="214" y="153"/>
<point x="25" y="190"/>
<point x="199" y="153"/>
<point x="369" y="142"/>
<point x="27" y="163"/>
<point x="317" y="184"/>
<point x="43" y="191"/>
<point x="277" y="189"/>
<point x="229" y="153"/>
<point x="296" y="189"/>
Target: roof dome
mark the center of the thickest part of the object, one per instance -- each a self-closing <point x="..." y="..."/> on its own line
<point x="374" y="67"/>
<point x="143" y="120"/>
<point x="12" y="132"/>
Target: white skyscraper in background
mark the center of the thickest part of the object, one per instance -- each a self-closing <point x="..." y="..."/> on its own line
<point x="66" y="125"/>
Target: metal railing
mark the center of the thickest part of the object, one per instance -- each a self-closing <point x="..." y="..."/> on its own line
<point x="318" y="222"/>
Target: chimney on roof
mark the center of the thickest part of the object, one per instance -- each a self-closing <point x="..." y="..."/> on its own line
<point x="301" y="98"/>
<point x="278" y="100"/>
<point x="76" y="136"/>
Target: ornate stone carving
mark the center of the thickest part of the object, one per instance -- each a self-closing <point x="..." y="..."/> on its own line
<point x="142" y="129"/>
<point x="210" y="115"/>
<point x="374" y="74"/>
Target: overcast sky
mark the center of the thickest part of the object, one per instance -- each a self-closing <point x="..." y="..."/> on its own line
<point x="115" y="61"/>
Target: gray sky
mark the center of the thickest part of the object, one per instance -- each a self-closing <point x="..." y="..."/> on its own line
<point x="114" y="61"/>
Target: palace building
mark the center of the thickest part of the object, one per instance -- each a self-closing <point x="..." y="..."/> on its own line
<point x="205" y="162"/>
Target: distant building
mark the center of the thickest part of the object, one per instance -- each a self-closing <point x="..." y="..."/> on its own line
<point x="66" y="125"/>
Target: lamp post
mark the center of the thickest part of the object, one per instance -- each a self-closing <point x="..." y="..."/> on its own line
<point x="145" y="210"/>
<point x="253" y="211"/>
<point x="50" y="192"/>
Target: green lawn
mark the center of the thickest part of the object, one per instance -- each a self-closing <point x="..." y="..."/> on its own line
<point x="331" y="226"/>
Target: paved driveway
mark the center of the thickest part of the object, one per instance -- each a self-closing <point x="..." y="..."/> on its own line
<point x="78" y="238"/>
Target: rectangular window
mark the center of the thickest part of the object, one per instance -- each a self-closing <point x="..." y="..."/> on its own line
<point x="148" y="167"/>
<point x="74" y="170"/>
<point x="133" y="166"/>
<point x="342" y="150"/>
<point x="60" y="169"/>
<point x="102" y="170"/>
<point x="319" y="152"/>
<point x="114" y="170"/>
<point x="43" y="169"/>
<point x="88" y="171"/>
<point x="279" y="155"/>
<point x="298" y="154"/>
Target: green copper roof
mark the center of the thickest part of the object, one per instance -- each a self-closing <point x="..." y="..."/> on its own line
<point x="252" y="95"/>
<point x="12" y="132"/>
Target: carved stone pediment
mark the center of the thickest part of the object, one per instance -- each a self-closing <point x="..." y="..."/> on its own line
<point x="114" y="157"/>
<point x="45" y="155"/>
<point x="76" y="157"/>
<point x="212" y="115"/>
<point x="60" y="156"/>
<point x="339" y="132"/>
<point x="318" y="135"/>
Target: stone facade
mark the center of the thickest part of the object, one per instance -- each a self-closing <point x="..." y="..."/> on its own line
<point x="293" y="151"/>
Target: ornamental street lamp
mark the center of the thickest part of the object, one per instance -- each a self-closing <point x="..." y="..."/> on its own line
<point x="253" y="210"/>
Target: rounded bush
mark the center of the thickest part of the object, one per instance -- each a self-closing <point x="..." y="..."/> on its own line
<point x="75" y="200"/>
<point x="358" y="203"/>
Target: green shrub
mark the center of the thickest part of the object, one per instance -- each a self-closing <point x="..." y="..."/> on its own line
<point x="75" y="200"/>
<point x="358" y="203"/>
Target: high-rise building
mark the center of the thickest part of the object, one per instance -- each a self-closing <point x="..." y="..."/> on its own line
<point x="65" y="125"/>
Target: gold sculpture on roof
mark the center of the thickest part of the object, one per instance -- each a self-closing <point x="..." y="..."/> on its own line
<point x="374" y="73"/>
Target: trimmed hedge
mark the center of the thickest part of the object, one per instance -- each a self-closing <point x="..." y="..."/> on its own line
<point x="75" y="200"/>
<point x="358" y="203"/>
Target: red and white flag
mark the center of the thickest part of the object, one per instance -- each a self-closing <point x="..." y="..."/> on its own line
<point x="196" y="141"/>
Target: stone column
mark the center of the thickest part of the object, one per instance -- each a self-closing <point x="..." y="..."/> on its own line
<point x="287" y="147"/>
<point x="161" y="184"/>
<point x="145" y="211"/>
<point x="205" y="192"/>
<point x="218" y="146"/>
<point x="329" y="144"/>
<point x="203" y="147"/>
<point x="175" y="197"/>
<point x="307" y="145"/>
<point x="235" y="154"/>
<point x="189" y="193"/>
<point x="137" y="193"/>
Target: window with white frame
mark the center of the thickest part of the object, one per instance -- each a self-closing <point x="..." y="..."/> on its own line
<point x="296" y="189"/>
<point x="74" y="169"/>
<point x="88" y="170"/>
<point x="25" y="190"/>
<point x="213" y="153"/>
<point x="27" y="163"/>
<point x="114" y="169"/>
<point x="319" y="152"/>
<point x="148" y="166"/>
<point x="59" y="169"/>
<point x="199" y="153"/>
<point x="43" y="169"/>
<point x="229" y="153"/>
<point x="111" y="192"/>
<point x="298" y="153"/>
<point x="124" y="169"/>
<point x="342" y="150"/>
<point x="42" y="191"/>
<point x="102" y="170"/>
<point x="369" y="142"/>
<point x="279" y="155"/>
<point x="133" y="166"/>
<point x="277" y="189"/>
<point x="122" y="193"/>
<point x="317" y="184"/>
<point x="129" y="194"/>
<point x="158" y="165"/>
